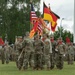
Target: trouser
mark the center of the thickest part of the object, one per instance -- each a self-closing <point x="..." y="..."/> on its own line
<point x="38" y="61"/>
<point x="28" y="59"/>
<point x="47" y="61"/>
<point x="59" y="61"/>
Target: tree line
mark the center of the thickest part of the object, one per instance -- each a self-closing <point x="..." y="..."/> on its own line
<point x="15" y="19"/>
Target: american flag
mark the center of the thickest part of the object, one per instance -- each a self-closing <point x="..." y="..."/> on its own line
<point x="40" y="28"/>
<point x="33" y="16"/>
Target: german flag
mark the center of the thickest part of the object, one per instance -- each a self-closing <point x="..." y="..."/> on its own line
<point x="46" y="13"/>
<point x="50" y="16"/>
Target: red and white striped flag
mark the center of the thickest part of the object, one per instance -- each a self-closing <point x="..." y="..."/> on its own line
<point x="40" y="28"/>
<point x="33" y="16"/>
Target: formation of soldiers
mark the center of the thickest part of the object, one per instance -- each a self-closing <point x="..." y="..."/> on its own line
<point x="39" y="52"/>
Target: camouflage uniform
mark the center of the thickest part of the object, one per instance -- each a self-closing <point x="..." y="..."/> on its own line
<point x="48" y="51"/>
<point x="70" y="54"/>
<point x="8" y="52"/>
<point x="38" y="53"/>
<point x="74" y="50"/>
<point x="52" y="58"/>
<point x="18" y="46"/>
<point x="66" y="51"/>
<point x="27" y="53"/>
<point x="60" y="50"/>
<point x="2" y="55"/>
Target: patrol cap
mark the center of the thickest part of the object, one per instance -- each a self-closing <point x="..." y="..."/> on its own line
<point x="27" y="33"/>
<point x="60" y="38"/>
<point x="51" y="35"/>
<point x="47" y="35"/>
<point x="19" y="36"/>
<point x="36" y="36"/>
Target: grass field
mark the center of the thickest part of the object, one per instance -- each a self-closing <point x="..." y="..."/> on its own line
<point x="11" y="69"/>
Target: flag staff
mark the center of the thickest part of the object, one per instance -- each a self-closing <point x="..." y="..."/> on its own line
<point x="74" y="27"/>
<point x="74" y="34"/>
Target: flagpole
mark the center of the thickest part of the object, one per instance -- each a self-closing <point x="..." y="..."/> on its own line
<point x="74" y="33"/>
<point x="74" y="27"/>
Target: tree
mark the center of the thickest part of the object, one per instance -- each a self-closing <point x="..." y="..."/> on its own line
<point x="3" y="4"/>
<point x="15" y="15"/>
<point x="64" y="34"/>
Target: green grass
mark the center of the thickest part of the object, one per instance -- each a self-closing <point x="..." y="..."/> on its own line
<point x="11" y="69"/>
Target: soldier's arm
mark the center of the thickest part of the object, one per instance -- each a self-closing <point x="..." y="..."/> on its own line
<point x="23" y="43"/>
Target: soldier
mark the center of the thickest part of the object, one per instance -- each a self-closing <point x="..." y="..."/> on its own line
<point x="66" y="51"/>
<point x="28" y="52"/>
<point x="48" y="51"/>
<point x="74" y="51"/>
<point x="70" y="53"/>
<point x="38" y="53"/>
<point x="60" y="50"/>
<point x="52" y="58"/>
<point x="2" y="55"/>
<point x="8" y="52"/>
<point x="17" y="50"/>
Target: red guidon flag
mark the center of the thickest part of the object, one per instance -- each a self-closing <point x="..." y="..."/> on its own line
<point x="34" y="29"/>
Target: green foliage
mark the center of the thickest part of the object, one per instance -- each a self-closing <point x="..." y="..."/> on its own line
<point x="64" y="34"/>
<point x="15" y="20"/>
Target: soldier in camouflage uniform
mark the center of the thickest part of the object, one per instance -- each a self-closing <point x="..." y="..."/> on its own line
<point x="2" y="55"/>
<point x="8" y="52"/>
<point x="52" y="58"/>
<point x="48" y="51"/>
<point x="66" y="51"/>
<point x="18" y="50"/>
<point x="28" y="52"/>
<point x="74" y="50"/>
<point x="38" y="53"/>
<point x="70" y="53"/>
<point x="60" y="50"/>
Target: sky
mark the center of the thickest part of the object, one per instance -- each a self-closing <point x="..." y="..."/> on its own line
<point x="63" y="8"/>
